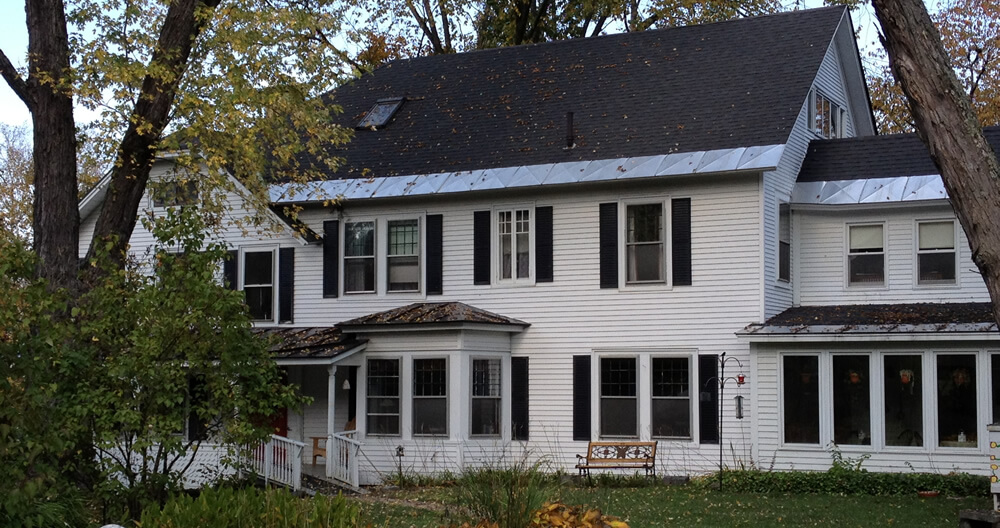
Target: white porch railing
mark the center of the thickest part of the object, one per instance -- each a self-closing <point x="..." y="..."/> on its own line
<point x="343" y="449"/>
<point x="279" y="460"/>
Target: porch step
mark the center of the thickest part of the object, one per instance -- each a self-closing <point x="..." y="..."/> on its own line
<point x="328" y="487"/>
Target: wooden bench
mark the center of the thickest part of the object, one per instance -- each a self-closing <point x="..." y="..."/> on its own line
<point x="618" y="455"/>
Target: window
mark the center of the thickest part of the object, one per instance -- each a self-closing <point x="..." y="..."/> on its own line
<point x="784" y="243"/>
<point x="936" y="252"/>
<point x="430" y="397"/>
<point x="852" y="400"/>
<point x="381" y="113"/>
<point x="383" y="397"/>
<point x="903" y="384"/>
<point x="644" y="247"/>
<point x="671" y="406"/>
<point x="403" y="256"/>
<point x="486" y="397"/>
<point x="827" y="117"/>
<point x="514" y="232"/>
<point x="359" y="257"/>
<point x="174" y="193"/>
<point x="957" y="409"/>
<point x="801" y="399"/>
<point x="866" y="256"/>
<point x="619" y="402"/>
<point x="258" y="284"/>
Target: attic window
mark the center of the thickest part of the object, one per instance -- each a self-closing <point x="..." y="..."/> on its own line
<point x="381" y="113"/>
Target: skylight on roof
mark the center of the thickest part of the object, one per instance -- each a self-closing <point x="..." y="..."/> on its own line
<point x="381" y="113"/>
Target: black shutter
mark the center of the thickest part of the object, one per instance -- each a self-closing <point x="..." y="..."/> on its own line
<point x="481" y="247"/>
<point x="519" y="398"/>
<point x="680" y="244"/>
<point x="331" y="257"/>
<point x="609" y="245"/>
<point x="581" y="398"/>
<point x="286" y="284"/>
<point x="230" y="270"/>
<point x="708" y="399"/>
<point x="435" y="256"/>
<point x="543" y="244"/>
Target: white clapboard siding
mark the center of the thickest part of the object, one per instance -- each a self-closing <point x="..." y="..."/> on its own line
<point x="822" y="260"/>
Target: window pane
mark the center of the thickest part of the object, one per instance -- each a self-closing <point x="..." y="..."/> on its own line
<point x="259" y="302"/>
<point x="784" y="261"/>
<point x="359" y="275"/>
<point x="956" y="379"/>
<point x="404" y="237"/>
<point x="429" y="377"/>
<point x="937" y="235"/>
<point x="936" y="268"/>
<point x="867" y="269"/>
<point x="851" y="400"/>
<point x="430" y="416"/>
<point x="383" y="425"/>
<point x="486" y="416"/>
<point x="619" y="417"/>
<point x="995" y="377"/>
<point x="670" y="377"/>
<point x="801" y="399"/>
<point x="404" y="273"/>
<point x="359" y="239"/>
<point x="383" y="397"/>
<point x="866" y="238"/>
<point x="904" y="416"/>
<point x="618" y="377"/>
<point x="645" y="223"/>
<point x="258" y="267"/>
<point x="523" y="256"/>
<point x="672" y="417"/>
<point x="486" y="377"/>
<point x="645" y="262"/>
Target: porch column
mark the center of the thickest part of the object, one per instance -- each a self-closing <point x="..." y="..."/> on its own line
<point x="331" y="400"/>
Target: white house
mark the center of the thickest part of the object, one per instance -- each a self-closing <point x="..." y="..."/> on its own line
<point x="544" y="245"/>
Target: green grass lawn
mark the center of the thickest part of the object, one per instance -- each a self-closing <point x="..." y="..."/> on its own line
<point x="692" y="506"/>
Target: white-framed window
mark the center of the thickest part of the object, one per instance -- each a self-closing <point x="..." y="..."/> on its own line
<point x="515" y="239"/>
<point x="866" y="255"/>
<point x="486" y="397"/>
<point x="936" y="255"/>
<point x="619" y="405"/>
<point x="827" y="117"/>
<point x="800" y="399"/>
<point x="671" y="397"/>
<point x="645" y="242"/>
<point x="383" y="409"/>
<point x="784" y="242"/>
<point x="852" y="397"/>
<point x="403" y="255"/>
<point x="359" y="257"/>
<point x="259" y="272"/>
<point x="430" y="397"/>
<point x="957" y="400"/>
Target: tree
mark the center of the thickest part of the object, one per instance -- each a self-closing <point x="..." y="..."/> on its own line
<point x="970" y="32"/>
<point x="947" y="124"/>
<point x="237" y="83"/>
<point x="15" y="182"/>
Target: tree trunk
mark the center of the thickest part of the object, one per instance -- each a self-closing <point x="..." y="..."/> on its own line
<point x="948" y="126"/>
<point x="56" y="222"/>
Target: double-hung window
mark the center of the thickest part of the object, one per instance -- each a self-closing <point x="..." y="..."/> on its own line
<point x="403" y="256"/>
<point x="430" y="397"/>
<point x="936" y="252"/>
<point x="784" y="243"/>
<point x="383" y="409"/>
<point x="866" y="255"/>
<point x="514" y="248"/>
<point x="671" y="405"/>
<point x="258" y="283"/>
<point x="359" y="257"/>
<point x="619" y="397"/>
<point x="645" y="254"/>
<point x="486" y="397"/>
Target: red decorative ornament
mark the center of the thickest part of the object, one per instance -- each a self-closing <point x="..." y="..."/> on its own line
<point x="741" y="379"/>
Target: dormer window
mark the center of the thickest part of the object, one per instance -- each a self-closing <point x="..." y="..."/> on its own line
<point x="827" y="117"/>
<point x="381" y="113"/>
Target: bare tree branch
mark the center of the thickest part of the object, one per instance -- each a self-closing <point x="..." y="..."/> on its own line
<point x="15" y="81"/>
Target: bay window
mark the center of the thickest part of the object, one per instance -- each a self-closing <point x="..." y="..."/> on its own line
<point x="486" y="397"/>
<point x="430" y="397"/>
<point x="383" y="409"/>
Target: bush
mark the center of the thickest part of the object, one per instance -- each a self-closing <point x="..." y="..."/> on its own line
<point x="508" y="495"/>
<point x="853" y="482"/>
<point x="227" y="507"/>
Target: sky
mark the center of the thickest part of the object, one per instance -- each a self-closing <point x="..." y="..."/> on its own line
<point x="14" y="43"/>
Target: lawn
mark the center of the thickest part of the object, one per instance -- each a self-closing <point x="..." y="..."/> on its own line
<point x="689" y="506"/>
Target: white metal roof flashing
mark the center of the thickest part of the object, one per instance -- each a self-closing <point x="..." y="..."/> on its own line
<point x="676" y="164"/>
<point x="870" y="191"/>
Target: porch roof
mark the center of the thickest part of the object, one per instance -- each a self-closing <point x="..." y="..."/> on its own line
<point x="433" y="313"/>
<point x="308" y="343"/>
<point x="861" y="319"/>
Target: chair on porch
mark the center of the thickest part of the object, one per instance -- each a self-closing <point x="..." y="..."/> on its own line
<point x="317" y="450"/>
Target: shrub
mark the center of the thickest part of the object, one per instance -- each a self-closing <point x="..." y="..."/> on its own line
<point x="227" y="507"/>
<point x="505" y="495"/>
<point x="853" y="482"/>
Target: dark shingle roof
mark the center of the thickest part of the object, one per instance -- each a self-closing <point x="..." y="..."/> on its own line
<point x="307" y="342"/>
<point x="432" y="313"/>
<point x="879" y="319"/>
<point x="725" y="85"/>
<point x="887" y="156"/>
